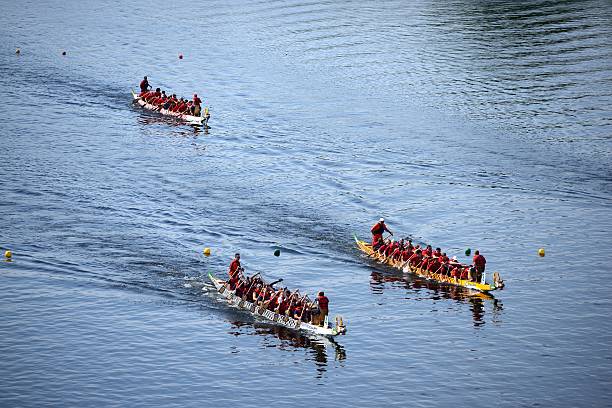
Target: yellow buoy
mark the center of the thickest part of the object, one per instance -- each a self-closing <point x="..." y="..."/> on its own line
<point x="206" y="251"/>
<point x="541" y="252"/>
<point x="8" y="254"/>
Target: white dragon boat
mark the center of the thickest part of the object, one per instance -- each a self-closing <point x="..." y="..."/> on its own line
<point x="190" y="119"/>
<point x="328" y="329"/>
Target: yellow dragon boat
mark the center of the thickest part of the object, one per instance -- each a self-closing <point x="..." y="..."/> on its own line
<point x="405" y="267"/>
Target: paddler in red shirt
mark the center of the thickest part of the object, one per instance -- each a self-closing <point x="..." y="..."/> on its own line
<point x="415" y="259"/>
<point x="377" y="233"/>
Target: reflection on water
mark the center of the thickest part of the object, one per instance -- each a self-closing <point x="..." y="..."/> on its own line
<point x="290" y="340"/>
<point x="149" y="118"/>
<point x="436" y="291"/>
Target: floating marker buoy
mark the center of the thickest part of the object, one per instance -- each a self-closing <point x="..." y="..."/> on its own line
<point x="8" y="254"/>
<point x="17" y="51"/>
<point x="63" y="52"/>
<point x="468" y="252"/>
<point x="206" y="251"/>
<point x="541" y="252"/>
<point x="180" y="56"/>
<point x="277" y="252"/>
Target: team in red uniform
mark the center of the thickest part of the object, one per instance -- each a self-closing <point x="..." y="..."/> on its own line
<point x="430" y="262"/>
<point x="281" y="301"/>
<point x="171" y="103"/>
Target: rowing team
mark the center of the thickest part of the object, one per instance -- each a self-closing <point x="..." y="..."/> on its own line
<point x="281" y="301"/>
<point x="425" y="259"/>
<point x="170" y="103"/>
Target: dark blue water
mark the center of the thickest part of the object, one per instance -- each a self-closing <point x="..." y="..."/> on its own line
<point x="465" y="124"/>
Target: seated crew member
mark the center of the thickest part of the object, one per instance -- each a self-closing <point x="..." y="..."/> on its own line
<point x="276" y="300"/>
<point x="425" y="264"/>
<point x="434" y="265"/>
<point x="415" y="259"/>
<point x="471" y="273"/>
<point x="178" y="105"/>
<point x="427" y="251"/>
<point x="285" y="303"/>
<point x="241" y="287"/>
<point x="152" y="96"/>
<point x="296" y="311"/>
<point x="377" y="233"/>
<point x="256" y="292"/>
<point x="397" y="253"/>
<point x="382" y="248"/>
<point x="389" y="250"/>
<point x="455" y="274"/>
<point x="144" y="86"/>
<point x="465" y="272"/>
<point x="437" y="253"/>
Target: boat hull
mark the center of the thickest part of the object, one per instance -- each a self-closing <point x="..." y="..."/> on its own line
<point x="403" y="266"/>
<point x="328" y="330"/>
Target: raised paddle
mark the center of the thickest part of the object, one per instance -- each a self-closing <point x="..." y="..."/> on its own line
<point x="276" y="281"/>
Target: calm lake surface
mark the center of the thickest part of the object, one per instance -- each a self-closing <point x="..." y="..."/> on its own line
<point x="474" y="124"/>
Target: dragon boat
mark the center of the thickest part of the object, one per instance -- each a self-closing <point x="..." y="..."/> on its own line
<point x="190" y="119"/>
<point x="327" y="329"/>
<point x="405" y="267"/>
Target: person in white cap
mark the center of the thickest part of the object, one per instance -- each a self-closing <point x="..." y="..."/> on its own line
<point x="377" y="233"/>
